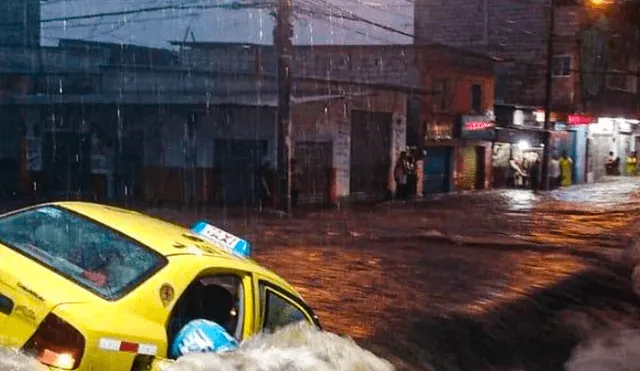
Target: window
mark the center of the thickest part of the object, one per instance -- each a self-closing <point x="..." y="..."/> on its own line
<point x="88" y="253"/>
<point x="217" y="298"/>
<point x="442" y="86"/>
<point x="344" y="61"/>
<point x="623" y="79"/>
<point x="476" y="98"/>
<point x="280" y="310"/>
<point x="561" y="66"/>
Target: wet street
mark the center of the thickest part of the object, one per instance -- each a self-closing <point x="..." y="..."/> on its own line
<point x="498" y="280"/>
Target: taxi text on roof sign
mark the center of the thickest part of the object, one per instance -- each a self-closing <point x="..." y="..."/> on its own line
<point x="235" y="244"/>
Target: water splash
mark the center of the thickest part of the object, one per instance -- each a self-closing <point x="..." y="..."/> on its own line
<point x="612" y="351"/>
<point x="297" y="347"/>
<point x="12" y="360"/>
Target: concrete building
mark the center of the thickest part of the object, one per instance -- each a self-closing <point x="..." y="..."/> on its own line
<point x="441" y="84"/>
<point x="20" y="23"/>
<point x="194" y="126"/>
<point x="138" y="124"/>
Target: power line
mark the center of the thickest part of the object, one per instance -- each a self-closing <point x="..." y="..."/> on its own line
<point x="234" y="5"/>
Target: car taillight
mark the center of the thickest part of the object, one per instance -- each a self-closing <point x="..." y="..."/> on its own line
<point x="56" y="343"/>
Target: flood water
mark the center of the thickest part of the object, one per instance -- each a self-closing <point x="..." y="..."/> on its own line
<point x="498" y="280"/>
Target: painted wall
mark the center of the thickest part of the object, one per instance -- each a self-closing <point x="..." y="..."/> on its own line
<point x="395" y="103"/>
<point x="168" y="148"/>
<point x="327" y="121"/>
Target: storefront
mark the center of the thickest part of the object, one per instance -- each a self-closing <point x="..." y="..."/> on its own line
<point x="607" y="135"/>
<point x="519" y="136"/>
<point x="473" y="154"/>
<point x="437" y="165"/>
<point x="577" y="125"/>
<point x="523" y="145"/>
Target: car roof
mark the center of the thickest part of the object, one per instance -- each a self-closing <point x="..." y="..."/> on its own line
<point x="161" y="236"/>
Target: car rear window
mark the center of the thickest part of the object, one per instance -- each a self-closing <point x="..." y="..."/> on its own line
<point x="88" y="253"/>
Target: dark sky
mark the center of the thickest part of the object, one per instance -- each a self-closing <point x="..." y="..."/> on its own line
<point x="155" y="28"/>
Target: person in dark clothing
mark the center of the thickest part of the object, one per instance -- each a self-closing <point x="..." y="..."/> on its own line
<point x="267" y="177"/>
<point x="412" y="175"/>
<point x="616" y="166"/>
<point x="296" y="182"/>
<point x="535" y="174"/>
<point x="400" y="175"/>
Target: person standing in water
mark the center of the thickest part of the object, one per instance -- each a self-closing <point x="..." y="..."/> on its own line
<point x="565" y="169"/>
<point x="554" y="172"/>
<point x="632" y="164"/>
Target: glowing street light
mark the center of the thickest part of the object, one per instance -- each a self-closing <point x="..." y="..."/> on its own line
<point x="598" y="3"/>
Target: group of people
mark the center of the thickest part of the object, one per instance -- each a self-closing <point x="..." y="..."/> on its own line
<point x="612" y="164"/>
<point x="560" y="171"/>
<point x="527" y="173"/>
<point x="405" y="175"/>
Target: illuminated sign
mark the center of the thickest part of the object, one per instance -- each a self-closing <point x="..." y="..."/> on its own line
<point x="581" y="120"/>
<point x="478" y="125"/>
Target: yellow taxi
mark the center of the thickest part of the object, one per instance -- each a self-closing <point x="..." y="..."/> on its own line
<point x="93" y="287"/>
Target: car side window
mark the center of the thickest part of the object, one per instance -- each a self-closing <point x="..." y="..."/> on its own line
<point x="280" y="310"/>
<point x="218" y="298"/>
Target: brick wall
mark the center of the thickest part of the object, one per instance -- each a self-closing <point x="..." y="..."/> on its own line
<point x="516" y="32"/>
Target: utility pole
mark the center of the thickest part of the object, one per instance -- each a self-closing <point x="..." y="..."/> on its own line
<point x="283" y="43"/>
<point x="547" y="98"/>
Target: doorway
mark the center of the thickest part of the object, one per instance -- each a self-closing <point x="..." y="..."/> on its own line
<point x="66" y="161"/>
<point x="437" y="166"/>
<point x="236" y="163"/>
<point x="370" y="153"/>
<point x="481" y="167"/>
<point x="314" y="161"/>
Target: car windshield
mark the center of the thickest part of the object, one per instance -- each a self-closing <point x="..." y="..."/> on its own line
<point x="90" y="254"/>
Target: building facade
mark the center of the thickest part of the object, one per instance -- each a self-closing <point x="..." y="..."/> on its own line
<point x="198" y="124"/>
<point x="20" y="23"/>
<point x="594" y="67"/>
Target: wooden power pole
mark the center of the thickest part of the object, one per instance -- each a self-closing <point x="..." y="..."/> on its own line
<point x="283" y="42"/>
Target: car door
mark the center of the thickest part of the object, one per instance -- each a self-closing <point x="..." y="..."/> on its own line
<point x="277" y="307"/>
<point x="236" y="282"/>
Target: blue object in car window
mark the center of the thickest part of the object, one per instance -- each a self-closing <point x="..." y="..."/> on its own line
<point x="202" y="336"/>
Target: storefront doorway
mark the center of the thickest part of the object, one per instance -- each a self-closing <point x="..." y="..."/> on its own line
<point x="437" y="167"/>
<point x="370" y="153"/>
<point x="480" y="167"/>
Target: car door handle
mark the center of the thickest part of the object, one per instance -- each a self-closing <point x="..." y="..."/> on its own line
<point x="6" y="305"/>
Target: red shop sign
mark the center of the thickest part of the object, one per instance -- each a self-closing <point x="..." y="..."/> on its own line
<point x="581" y="120"/>
<point x="478" y="125"/>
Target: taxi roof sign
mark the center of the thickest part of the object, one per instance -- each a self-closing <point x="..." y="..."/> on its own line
<point x="226" y="240"/>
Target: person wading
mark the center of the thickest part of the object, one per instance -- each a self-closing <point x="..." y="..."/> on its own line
<point x="400" y="173"/>
<point x="632" y="164"/>
<point x="554" y="172"/>
<point x="296" y="183"/>
<point x="565" y="169"/>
